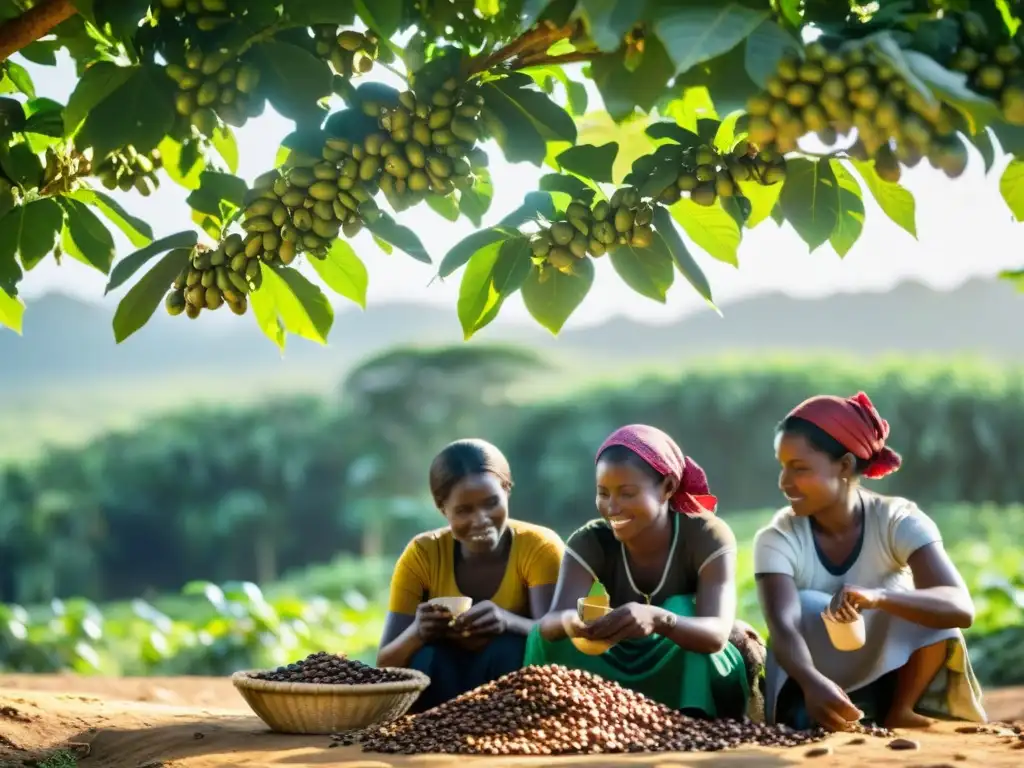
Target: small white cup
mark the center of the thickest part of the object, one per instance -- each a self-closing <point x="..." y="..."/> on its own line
<point x="456" y="605"/>
<point x="845" y="636"/>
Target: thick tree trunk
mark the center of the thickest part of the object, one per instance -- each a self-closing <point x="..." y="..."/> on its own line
<point x="33" y="24"/>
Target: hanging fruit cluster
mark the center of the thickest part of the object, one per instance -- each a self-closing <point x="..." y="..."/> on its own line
<point x="349" y="52"/>
<point x="214" y="277"/>
<point x="995" y="68"/>
<point x="707" y="174"/>
<point x="624" y="219"/>
<point x="831" y="92"/>
<point x="205" y="15"/>
<point x="427" y="145"/>
<point x="128" y="169"/>
<point x="215" y="84"/>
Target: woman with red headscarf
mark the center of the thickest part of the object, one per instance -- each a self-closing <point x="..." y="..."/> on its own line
<point x="668" y="565"/>
<point x="840" y="552"/>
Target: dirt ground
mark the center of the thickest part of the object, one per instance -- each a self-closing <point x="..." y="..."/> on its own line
<point x="203" y="723"/>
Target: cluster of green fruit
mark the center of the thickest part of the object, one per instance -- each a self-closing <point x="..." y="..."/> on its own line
<point x="831" y="92"/>
<point x="304" y="208"/>
<point x="350" y="53"/>
<point x="426" y="145"/>
<point x="214" y="277"/>
<point x="126" y="168"/>
<point x="624" y="219"/>
<point x="707" y="174"/>
<point x="206" y="15"/>
<point x="215" y="84"/>
<point x="996" y="70"/>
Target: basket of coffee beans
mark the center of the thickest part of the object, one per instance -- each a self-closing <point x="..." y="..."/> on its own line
<point x="325" y="693"/>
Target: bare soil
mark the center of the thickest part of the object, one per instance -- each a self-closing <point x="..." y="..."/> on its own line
<point x="193" y="722"/>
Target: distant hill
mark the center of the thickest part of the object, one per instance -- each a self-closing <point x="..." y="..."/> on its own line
<point x="65" y="338"/>
<point x="66" y="379"/>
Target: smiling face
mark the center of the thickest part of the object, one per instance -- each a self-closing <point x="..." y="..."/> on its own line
<point x="477" y="511"/>
<point x="631" y="496"/>
<point x="811" y="480"/>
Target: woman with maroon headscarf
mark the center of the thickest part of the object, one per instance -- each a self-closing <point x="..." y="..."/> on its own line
<point x="838" y="550"/>
<point x="668" y="565"/>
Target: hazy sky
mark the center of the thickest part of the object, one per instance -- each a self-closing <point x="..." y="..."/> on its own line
<point x="964" y="230"/>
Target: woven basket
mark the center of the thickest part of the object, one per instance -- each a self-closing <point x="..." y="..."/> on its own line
<point x="311" y="708"/>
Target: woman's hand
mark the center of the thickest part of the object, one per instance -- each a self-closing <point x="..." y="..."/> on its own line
<point x="432" y="622"/>
<point x="829" y="706"/>
<point x="632" y="620"/>
<point x="483" y="619"/>
<point x="849" y="601"/>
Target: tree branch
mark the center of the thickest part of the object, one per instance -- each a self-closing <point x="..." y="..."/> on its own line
<point x="534" y="42"/>
<point x="33" y="24"/>
<point x="538" y="59"/>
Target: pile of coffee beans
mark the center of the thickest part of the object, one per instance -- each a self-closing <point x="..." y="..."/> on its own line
<point x="552" y="710"/>
<point x="329" y="669"/>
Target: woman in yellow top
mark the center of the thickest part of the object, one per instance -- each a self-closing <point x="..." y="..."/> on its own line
<point x="508" y="568"/>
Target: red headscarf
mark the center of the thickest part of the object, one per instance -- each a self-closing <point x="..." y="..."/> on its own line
<point x="663" y="455"/>
<point x="854" y="422"/>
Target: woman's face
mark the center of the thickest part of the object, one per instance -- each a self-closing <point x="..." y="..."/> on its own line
<point x="629" y="498"/>
<point x="810" y="480"/>
<point x="477" y="511"/>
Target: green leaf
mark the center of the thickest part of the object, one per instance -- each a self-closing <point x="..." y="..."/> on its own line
<point x="685" y="263"/>
<point x="215" y="187"/>
<point x="139" y="304"/>
<point x="765" y="47"/>
<point x="264" y="310"/>
<point x="463" y="251"/>
<point x="131" y="264"/>
<point x="139" y="233"/>
<point x="299" y="304"/>
<point x="311" y="12"/>
<point x="294" y="80"/>
<point x="522" y="119"/>
<point x="762" y="200"/>
<point x="401" y="237"/>
<point x="850" y="221"/>
<point x="590" y="162"/>
<point x="552" y="297"/>
<point x="226" y="146"/>
<point x="694" y="33"/>
<point x="140" y="112"/>
<point x="494" y="272"/>
<point x="41" y="52"/>
<point x="810" y="200"/>
<point x="952" y="88"/>
<point x="385" y="17"/>
<point x="21" y="78"/>
<point x="85" y="238"/>
<point x="40" y="223"/>
<point x="567" y="185"/>
<point x="1011" y="187"/>
<point x="11" y="311"/>
<point x="21" y="165"/>
<point x="45" y="117"/>
<point x="608" y="21"/>
<point x="896" y="202"/>
<point x="384" y="245"/>
<point x="728" y="132"/>
<point x="475" y="201"/>
<point x="343" y="272"/>
<point x="445" y="206"/>
<point x="184" y="163"/>
<point x="622" y="90"/>
<point x="983" y="141"/>
<point x="675" y="132"/>
<point x="648" y="271"/>
<point x="711" y="228"/>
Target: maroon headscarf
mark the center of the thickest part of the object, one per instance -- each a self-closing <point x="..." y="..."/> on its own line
<point x="854" y="422"/>
<point x="664" y="456"/>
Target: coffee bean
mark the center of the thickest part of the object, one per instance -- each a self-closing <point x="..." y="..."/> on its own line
<point x="970" y="729"/>
<point x="901" y="745"/>
<point x="857" y="742"/>
<point x="324" y="668"/>
<point x="819" y="752"/>
<point x="553" y="710"/>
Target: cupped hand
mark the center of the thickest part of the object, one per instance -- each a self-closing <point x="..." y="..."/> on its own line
<point x="829" y="706"/>
<point x="432" y="622"/>
<point x="632" y="620"/>
<point x="484" y="618"/>
<point x="848" y="602"/>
